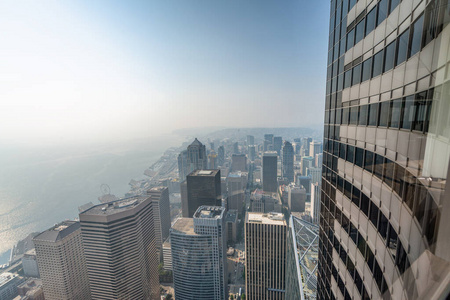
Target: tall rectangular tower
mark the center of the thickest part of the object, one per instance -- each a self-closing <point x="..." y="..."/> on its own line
<point x="61" y="262"/>
<point x="288" y="161"/>
<point x="269" y="172"/>
<point x="203" y="188"/>
<point x="198" y="247"/>
<point x="265" y="253"/>
<point x="385" y="159"/>
<point x="161" y="214"/>
<point x="120" y="249"/>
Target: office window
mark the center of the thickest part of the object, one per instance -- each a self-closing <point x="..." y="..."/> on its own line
<point x="342" y="151"/>
<point x="368" y="161"/>
<point x="398" y="179"/>
<point x="359" y="34"/>
<point x="388" y="173"/>
<point x="389" y="55"/>
<point x="335" y="148"/>
<point x="373" y="215"/>
<point x="351" y="154"/>
<point x="342" y="45"/>
<point x="340" y="82"/>
<point x="408" y="113"/>
<point x="420" y="203"/>
<point x="355" y="197"/>
<point x="348" y="189"/>
<point x="371" y="19"/>
<point x="353" y="232"/>
<point x="358" y="282"/>
<point x="420" y="108"/>
<point x="359" y="157"/>
<point x="410" y="188"/>
<point x="396" y="111"/>
<point x="401" y="258"/>
<point x="363" y="114"/>
<point x="430" y="22"/>
<point x="348" y="79"/>
<point x="369" y="258"/>
<point x="402" y="47"/>
<point x="377" y="64"/>
<point x="394" y="4"/>
<point x="345" y="115"/>
<point x="345" y="224"/>
<point x="338" y="115"/>
<point x="366" y="70"/>
<point x="356" y="74"/>
<point x="378" y="166"/>
<point x="365" y="204"/>
<point x="416" y="36"/>
<point x="391" y="241"/>
<point x="383" y="225"/>
<point x="382" y="11"/>
<point x="354" y="115"/>
<point x="344" y="7"/>
<point x="378" y="275"/>
<point x="432" y="217"/>
<point x="384" y="114"/>
<point x="350" y="39"/>
<point x="351" y="4"/>
<point x="373" y="114"/>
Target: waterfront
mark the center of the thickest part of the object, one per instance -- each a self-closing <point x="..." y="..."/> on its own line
<point x="40" y="186"/>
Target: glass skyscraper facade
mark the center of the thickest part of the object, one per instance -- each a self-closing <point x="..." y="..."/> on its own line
<point x="386" y="150"/>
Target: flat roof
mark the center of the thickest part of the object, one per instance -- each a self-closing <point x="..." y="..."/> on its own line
<point x="209" y="212"/>
<point x="231" y="216"/>
<point x="114" y="207"/>
<point x="266" y="218"/>
<point x="204" y="173"/>
<point x="58" y="231"/>
<point x="184" y="225"/>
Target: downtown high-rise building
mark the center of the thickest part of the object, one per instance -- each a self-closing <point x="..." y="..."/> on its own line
<point x="305" y="145"/>
<point x="383" y="231"/>
<point x="287" y="161"/>
<point x="203" y="187"/>
<point x="277" y="144"/>
<point x="183" y="167"/>
<point x="198" y="247"/>
<point x="161" y="215"/>
<point x="220" y="155"/>
<point x="265" y="256"/>
<point x="196" y="156"/>
<point x="119" y="242"/>
<point x="61" y="262"/>
<point x="238" y="162"/>
<point x="270" y="171"/>
<point x="250" y="140"/>
<point x="314" y="149"/>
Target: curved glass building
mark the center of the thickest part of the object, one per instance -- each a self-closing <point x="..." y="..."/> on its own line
<point x="383" y="233"/>
<point x="198" y="255"/>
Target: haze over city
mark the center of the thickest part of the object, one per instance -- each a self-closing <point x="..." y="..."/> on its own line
<point x="78" y="70"/>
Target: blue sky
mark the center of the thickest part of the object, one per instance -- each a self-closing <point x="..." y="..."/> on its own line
<point x="118" y="69"/>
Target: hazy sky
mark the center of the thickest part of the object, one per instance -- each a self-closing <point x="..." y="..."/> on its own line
<point x="115" y="69"/>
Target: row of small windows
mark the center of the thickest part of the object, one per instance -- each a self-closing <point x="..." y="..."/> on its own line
<point x="374" y="18"/>
<point x="412" y="192"/>
<point x="410" y="113"/>
<point x="412" y="40"/>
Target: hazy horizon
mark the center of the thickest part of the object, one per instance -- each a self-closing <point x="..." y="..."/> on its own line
<point x="107" y="70"/>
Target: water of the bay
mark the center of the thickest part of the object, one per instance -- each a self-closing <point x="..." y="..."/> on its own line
<point x="43" y="185"/>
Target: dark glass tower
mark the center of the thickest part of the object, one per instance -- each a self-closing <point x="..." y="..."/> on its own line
<point x="386" y="157"/>
<point x="203" y="188"/>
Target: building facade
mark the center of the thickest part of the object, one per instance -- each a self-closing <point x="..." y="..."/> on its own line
<point x="120" y="248"/>
<point x="269" y="172"/>
<point x="196" y="156"/>
<point x="287" y="161"/>
<point x="265" y="253"/>
<point x="203" y="188"/>
<point x="385" y="160"/>
<point x="161" y="215"/>
<point x="198" y="248"/>
<point x="238" y="162"/>
<point x="61" y="262"/>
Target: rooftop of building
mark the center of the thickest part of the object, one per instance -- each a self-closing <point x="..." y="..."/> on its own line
<point x="206" y="173"/>
<point x="58" y="231"/>
<point x="232" y="216"/>
<point x="6" y="277"/>
<point x="114" y="207"/>
<point x="209" y="212"/>
<point x="157" y="189"/>
<point x="184" y="225"/>
<point x="272" y="218"/>
<point x="196" y="142"/>
<point x="270" y="153"/>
